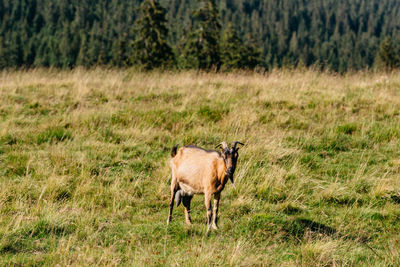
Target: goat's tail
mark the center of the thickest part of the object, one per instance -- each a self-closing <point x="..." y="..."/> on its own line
<point x="173" y="151"/>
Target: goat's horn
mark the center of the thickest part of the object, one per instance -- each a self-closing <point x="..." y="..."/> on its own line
<point x="236" y="143"/>
<point x="223" y="144"/>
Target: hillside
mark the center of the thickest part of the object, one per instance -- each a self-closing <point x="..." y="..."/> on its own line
<point x="85" y="177"/>
<point x="331" y="34"/>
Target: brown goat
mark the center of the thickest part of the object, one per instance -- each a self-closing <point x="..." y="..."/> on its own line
<point x="199" y="171"/>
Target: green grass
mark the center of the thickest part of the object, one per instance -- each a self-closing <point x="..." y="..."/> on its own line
<point x="84" y="174"/>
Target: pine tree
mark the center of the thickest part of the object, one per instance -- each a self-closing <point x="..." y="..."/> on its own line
<point x="251" y="56"/>
<point x="16" y="50"/>
<point x="3" y="54"/>
<point x="83" y="59"/>
<point x="94" y="47"/>
<point x="235" y="54"/>
<point x="119" y="52"/>
<point x="42" y="55"/>
<point x="150" y="49"/>
<point x="387" y="56"/>
<point x="230" y="49"/>
<point x="102" y="59"/>
<point x="65" y="47"/>
<point x="29" y="53"/>
<point x="201" y="47"/>
<point x="55" y="58"/>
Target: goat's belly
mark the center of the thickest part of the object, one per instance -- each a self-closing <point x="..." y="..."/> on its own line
<point x="188" y="190"/>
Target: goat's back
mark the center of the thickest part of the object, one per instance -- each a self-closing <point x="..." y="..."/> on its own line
<point x="195" y="166"/>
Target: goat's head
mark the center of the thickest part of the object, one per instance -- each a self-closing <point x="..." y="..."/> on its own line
<point x="230" y="156"/>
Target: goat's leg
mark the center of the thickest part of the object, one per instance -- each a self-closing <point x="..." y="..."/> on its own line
<point x="174" y="188"/>
<point x="207" y="199"/>
<point x="215" y="210"/>
<point x="186" y="203"/>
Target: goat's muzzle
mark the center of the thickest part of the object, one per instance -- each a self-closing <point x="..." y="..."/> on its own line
<point x="229" y="173"/>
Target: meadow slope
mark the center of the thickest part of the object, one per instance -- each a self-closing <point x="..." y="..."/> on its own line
<point x="84" y="175"/>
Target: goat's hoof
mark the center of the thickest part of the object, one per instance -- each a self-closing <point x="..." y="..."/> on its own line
<point x="215" y="227"/>
<point x="168" y="221"/>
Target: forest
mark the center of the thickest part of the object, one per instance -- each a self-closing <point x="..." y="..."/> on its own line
<point x="336" y="35"/>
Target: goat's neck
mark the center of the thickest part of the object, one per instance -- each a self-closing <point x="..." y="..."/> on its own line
<point x="222" y="183"/>
<point x="222" y="177"/>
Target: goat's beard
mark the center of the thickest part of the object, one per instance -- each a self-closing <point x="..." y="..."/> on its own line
<point x="231" y="178"/>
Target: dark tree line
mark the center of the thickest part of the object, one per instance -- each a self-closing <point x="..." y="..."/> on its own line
<point x="329" y="34"/>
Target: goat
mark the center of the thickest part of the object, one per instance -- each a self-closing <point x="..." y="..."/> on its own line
<point x="199" y="171"/>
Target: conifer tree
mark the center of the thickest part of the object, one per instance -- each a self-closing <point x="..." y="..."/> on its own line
<point x="230" y="49"/>
<point x="54" y="52"/>
<point x="150" y="49"/>
<point x="235" y="54"/>
<point x="119" y="52"/>
<point x="94" y="46"/>
<point x="201" y="47"/>
<point x="82" y="59"/>
<point x="3" y="55"/>
<point x="16" y="50"/>
<point x="250" y="56"/>
<point x="387" y="56"/>
<point x="65" y="47"/>
<point x="102" y="59"/>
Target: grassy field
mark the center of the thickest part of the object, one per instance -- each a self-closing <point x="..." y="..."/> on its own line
<point x="84" y="175"/>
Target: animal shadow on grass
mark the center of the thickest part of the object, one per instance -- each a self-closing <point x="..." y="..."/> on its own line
<point x="183" y="231"/>
<point x="395" y="198"/>
<point x="299" y="226"/>
<point x="316" y="227"/>
<point x="192" y="231"/>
